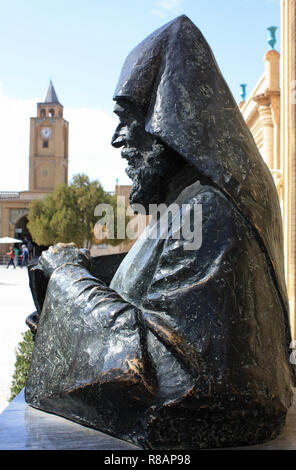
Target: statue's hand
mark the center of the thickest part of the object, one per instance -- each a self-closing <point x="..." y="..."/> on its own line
<point x="60" y="254"/>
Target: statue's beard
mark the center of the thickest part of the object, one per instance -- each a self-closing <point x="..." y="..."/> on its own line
<point x="151" y="173"/>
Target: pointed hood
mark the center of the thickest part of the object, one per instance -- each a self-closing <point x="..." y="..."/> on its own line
<point x="173" y="77"/>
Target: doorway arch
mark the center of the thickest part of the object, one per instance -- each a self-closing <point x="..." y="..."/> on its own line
<point x="21" y="230"/>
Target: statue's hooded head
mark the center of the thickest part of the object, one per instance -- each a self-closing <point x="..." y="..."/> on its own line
<point x="174" y="83"/>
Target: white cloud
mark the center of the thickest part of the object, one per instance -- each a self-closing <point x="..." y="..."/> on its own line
<point x="90" y="151"/>
<point x="164" y="7"/>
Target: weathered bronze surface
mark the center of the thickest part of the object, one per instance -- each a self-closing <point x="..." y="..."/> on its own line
<point x="184" y="348"/>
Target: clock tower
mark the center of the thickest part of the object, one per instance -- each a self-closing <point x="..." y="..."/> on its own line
<point x="48" y="145"/>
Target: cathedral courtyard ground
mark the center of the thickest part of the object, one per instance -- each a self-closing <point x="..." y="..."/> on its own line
<point x="15" y="304"/>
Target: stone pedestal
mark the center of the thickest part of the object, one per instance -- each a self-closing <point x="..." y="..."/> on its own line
<point x="25" y="428"/>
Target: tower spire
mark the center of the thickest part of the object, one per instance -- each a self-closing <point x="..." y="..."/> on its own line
<point x="51" y="96"/>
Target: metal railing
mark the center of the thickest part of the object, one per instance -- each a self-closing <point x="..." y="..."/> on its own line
<point x="4" y="259"/>
<point x="9" y="195"/>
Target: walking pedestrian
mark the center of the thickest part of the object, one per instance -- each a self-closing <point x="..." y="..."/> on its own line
<point x="11" y="258"/>
<point x="25" y="255"/>
<point x="16" y="256"/>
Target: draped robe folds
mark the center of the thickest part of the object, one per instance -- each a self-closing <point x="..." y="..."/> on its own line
<point x="185" y="348"/>
<point x="195" y="336"/>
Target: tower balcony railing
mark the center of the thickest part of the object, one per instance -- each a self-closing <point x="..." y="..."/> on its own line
<point x="9" y="195"/>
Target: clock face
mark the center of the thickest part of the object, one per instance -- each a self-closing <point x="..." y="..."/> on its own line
<point x="46" y="132"/>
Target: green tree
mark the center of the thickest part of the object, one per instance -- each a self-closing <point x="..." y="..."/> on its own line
<point x="21" y="368"/>
<point x="67" y="214"/>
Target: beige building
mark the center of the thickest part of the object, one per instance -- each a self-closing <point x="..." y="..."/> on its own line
<point x="270" y="113"/>
<point x="48" y="166"/>
<point x="138" y="224"/>
<point x="103" y="248"/>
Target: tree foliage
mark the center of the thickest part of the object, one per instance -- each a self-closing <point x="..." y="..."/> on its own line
<point x="21" y="368"/>
<point x="67" y="214"/>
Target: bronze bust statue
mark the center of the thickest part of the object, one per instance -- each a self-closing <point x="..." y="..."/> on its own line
<point x="173" y="346"/>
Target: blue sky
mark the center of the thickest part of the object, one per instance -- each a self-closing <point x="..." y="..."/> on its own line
<point x="82" y="44"/>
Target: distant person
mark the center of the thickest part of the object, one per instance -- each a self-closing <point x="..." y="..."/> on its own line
<point x="11" y="258"/>
<point x="25" y="255"/>
<point x="16" y="256"/>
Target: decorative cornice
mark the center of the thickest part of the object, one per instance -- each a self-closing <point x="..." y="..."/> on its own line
<point x="262" y="100"/>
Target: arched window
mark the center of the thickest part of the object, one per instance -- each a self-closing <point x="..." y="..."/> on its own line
<point x="51" y="113"/>
<point x="42" y="113"/>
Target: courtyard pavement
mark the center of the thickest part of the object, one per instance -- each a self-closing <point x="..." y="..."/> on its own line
<point x="15" y="305"/>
